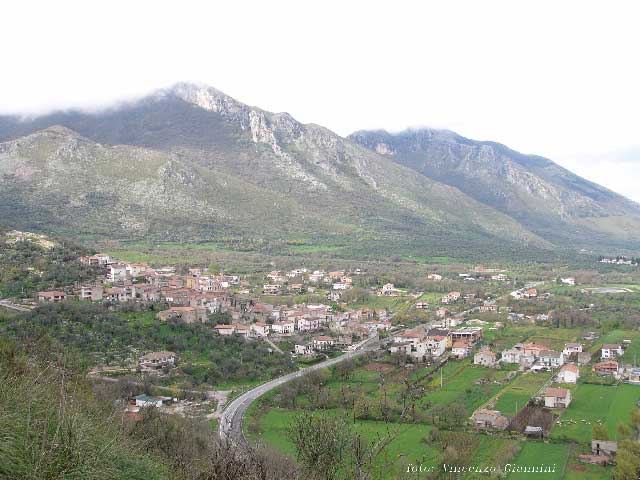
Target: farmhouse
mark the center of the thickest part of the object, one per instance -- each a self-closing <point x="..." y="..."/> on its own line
<point x="451" y="297"/>
<point x="606" y="368"/>
<point x="484" y="418"/>
<point x="569" y="373"/>
<point x="572" y="349"/>
<point x="551" y="359"/>
<point x="471" y="335"/>
<point x="460" y="349"/>
<point x="52" y="297"/>
<point x="323" y="342"/>
<point x="225" y="329"/>
<point x="260" y="329"/>
<point x="485" y="357"/>
<point x="157" y="360"/>
<point x="611" y="350"/>
<point x="557" y="397"/>
<point x="283" y="328"/>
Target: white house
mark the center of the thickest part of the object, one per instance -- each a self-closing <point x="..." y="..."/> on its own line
<point x="260" y="329"/>
<point x="569" y="373"/>
<point x="572" y="349"/>
<point x="511" y="355"/>
<point x="225" y="329"/>
<point x="568" y="281"/>
<point x="388" y="289"/>
<point x="485" y="357"/>
<point x="303" y="349"/>
<point x="283" y="328"/>
<point x="117" y="272"/>
<point x="323" y="342"/>
<point x="460" y="349"/>
<point x="550" y="358"/>
<point x="611" y="350"/>
<point x="557" y="397"/>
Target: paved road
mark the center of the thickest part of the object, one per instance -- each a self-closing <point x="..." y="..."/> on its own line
<point x="230" y="422"/>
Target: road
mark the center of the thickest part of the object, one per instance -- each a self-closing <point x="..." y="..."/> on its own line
<point x="230" y="422"/>
<point x="13" y="306"/>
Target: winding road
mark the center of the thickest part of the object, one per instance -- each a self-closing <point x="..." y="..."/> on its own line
<point x="230" y="422"/>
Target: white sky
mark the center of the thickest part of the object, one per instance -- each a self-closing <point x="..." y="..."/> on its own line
<point x="555" y="78"/>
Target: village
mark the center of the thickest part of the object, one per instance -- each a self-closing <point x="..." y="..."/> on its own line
<point x="474" y="319"/>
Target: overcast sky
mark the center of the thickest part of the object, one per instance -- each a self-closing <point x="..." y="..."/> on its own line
<point x="558" y="78"/>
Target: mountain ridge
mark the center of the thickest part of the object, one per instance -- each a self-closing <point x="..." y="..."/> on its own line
<point x="238" y="170"/>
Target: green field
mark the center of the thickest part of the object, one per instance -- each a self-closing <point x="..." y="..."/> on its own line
<point x="536" y="454"/>
<point x="410" y="447"/>
<point x="593" y="403"/>
<point x="515" y="396"/>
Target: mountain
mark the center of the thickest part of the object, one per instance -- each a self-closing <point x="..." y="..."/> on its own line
<point x="190" y="163"/>
<point x="545" y="198"/>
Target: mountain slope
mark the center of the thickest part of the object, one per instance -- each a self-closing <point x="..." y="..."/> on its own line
<point x="544" y="197"/>
<point x="190" y="163"/>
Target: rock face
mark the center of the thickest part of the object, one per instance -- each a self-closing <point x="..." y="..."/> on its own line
<point x="191" y="163"/>
<point x="546" y="198"/>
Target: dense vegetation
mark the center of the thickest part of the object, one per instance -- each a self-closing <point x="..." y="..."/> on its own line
<point x="114" y="338"/>
<point x="55" y="424"/>
<point x="26" y="268"/>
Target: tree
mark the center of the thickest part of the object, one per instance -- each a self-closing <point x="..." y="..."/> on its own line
<point x="321" y="442"/>
<point x="600" y="432"/>
<point x="627" y="461"/>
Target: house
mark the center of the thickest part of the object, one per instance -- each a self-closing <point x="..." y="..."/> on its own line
<point x="471" y="335"/>
<point x="260" y="329"/>
<point x="572" y="349"/>
<point x="633" y="376"/>
<point x="225" y="329"/>
<point x="91" y="293"/>
<point x="451" y="297"/>
<point x="530" y="293"/>
<point x="511" y="355"/>
<point x="550" y="358"/>
<point x="117" y="272"/>
<point x="157" y="360"/>
<point x="485" y="357"/>
<point x="389" y="289"/>
<point x="569" y="373"/>
<point x="283" y="328"/>
<point x="484" y="418"/>
<point x="568" y="281"/>
<point x="323" y="342"/>
<point x="442" y="312"/>
<point x="149" y="401"/>
<point x="309" y="324"/>
<point x="606" y="368"/>
<point x="434" y="277"/>
<point x="299" y="349"/>
<point x="410" y="337"/>
<point x="52" y="297"/>
<point x="184" y="314"/>
<point x="611" y="350"/>
<point x="241" y="330"/>
<point x="460" y="349"/>
<point x="341" y="286"/>
<point x="271" y="289"/>
<point x="557" y="397"/>
<point x="421" y="306"/>
<point x="532" y="349"/>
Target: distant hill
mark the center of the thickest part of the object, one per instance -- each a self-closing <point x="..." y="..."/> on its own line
<point x="190" y="163"/>
<point x="545" y="198"/>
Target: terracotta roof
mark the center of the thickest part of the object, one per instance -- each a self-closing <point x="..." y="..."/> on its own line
<point x="556" y="392"/>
